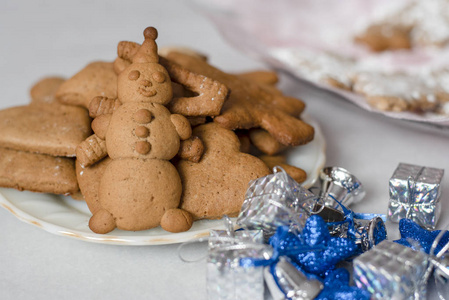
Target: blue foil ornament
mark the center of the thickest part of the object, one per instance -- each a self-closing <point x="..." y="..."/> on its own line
<point x="283" y="243"/>
<point x="336" y="287"/>
<point x="314" y="250"/>
<point x="412" y="231"/>
<point x="333" y="249"/>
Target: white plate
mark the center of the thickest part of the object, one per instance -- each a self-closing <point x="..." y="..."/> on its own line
<point x="64" y="216"/>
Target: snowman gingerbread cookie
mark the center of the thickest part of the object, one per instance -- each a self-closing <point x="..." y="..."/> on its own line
<point x="140" y="188"/>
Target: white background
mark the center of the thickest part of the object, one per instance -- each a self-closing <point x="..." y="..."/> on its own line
<point x="41" y="38"/>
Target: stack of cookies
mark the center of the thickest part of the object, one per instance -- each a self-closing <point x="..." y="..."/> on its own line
<point x="38" y="142"/>
<point x="159" y="139"/>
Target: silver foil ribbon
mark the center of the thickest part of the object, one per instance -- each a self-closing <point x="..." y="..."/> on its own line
<point x="226" y="279"/>
<point x="290" y="282"/>
<point x="341" y="185"/>
<point x="414" y="194"/>
<point x="275" y="200"/>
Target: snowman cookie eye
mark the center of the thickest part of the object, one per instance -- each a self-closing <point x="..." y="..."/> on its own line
<point x="158" y="77"/>
<point x="134" y="75"/>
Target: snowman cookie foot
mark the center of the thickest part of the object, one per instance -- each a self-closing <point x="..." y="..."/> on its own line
<point x="176" y="220"/>
<point x="102" y="222"/>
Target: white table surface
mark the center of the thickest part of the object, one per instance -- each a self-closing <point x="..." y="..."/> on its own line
<point x="41" y="38"/>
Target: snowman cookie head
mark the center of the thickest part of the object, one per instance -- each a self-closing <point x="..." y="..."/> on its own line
<point x="145" y="80"/>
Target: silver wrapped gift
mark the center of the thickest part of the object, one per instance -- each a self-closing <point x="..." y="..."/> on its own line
<point x="392" y="271"/>
<point x="226" y="279"/>
<point x="414" y="194"/>
<point x="275" y="200"/>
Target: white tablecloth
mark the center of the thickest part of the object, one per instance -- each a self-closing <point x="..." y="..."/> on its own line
<point x="40" y="38"/>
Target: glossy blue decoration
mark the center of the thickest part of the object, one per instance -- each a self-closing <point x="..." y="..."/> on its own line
<point x="284" y="243"/>
<point x="333" y="249"/>
<point x="425" y="238"/>
<point x="314" y="250"/>
<point x="336" y="287"/>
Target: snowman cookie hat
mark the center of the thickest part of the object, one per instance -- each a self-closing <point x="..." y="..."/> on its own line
<point x="147" y="53"/>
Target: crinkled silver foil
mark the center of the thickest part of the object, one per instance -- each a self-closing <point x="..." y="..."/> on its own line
<point x="414" y="194"/>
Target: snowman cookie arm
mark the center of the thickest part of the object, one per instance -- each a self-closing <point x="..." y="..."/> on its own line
<point x="100" y="125"/>
<point x="102" y="105"/>
<point x="91" y="150"/>
<point x="191" y="149"/>
<point x="182" y="126"/>
<point x="125" y="51"/>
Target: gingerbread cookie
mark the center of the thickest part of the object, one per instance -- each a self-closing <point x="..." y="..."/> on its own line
<point x="262" y="77"/>
<point x="44" y="90"/>
<point x="252" y="105"/>
<point x="411" y="24"/>
<point x="298" y="174"/>
<point x="195" y="121"/>
<point x="125" y="51"/>
<point x="139" y="187"/>
<point x="164" y="51"/>
<point x="216" y="185"/>
<point x="382" y="37"/>
<point x="49" y="128"/>
<point x="89" y="182"/>
<point x="191" y="149"/>
<point x="263" y="141"/>
<point x="96" y="79"/>
<point x="201" y="96"/>
<point x="77" y="196"/>
<point x="245" y="142"/>
<point x="396" y="92"/>
<point x="37" y="172"/>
